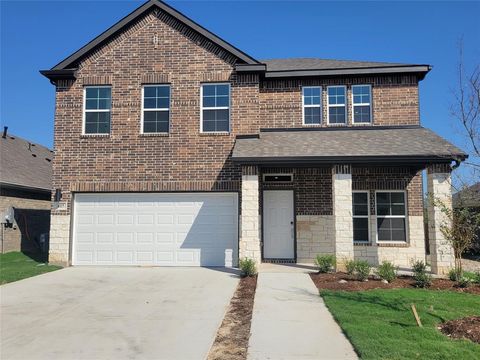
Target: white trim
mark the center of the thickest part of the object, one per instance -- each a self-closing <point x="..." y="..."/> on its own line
<point x="278" y="174"/>
<point x="361" y="104"/>
<point x="336" y="105"/>
<point x="84" y="109"/>
<point x="142" y="109"/>
<point x="392" y="217"/>
<point x="311" y="106"/>
<point x="216" y="108"/>
<point x="363" y="216"/>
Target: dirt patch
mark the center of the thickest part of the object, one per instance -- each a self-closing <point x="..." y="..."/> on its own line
<point x="466" y="328"/>
<point x="231" y="342"/>
<point x="332" y="282"/>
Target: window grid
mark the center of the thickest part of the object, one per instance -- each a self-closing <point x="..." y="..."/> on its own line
<point x="312" y="105"/>
<point x="361" y="104"/>
<point x="215" y="108"/>
<point x="361" y="216"/>
<point x="392" y="217"/>
<point x="337" y="109"/>
<point x="155" y="109"/>
<point x="97" y="106"/>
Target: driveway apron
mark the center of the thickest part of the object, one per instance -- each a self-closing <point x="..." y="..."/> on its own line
<point x="114" y="313"/>
<point x="290" y="321"/>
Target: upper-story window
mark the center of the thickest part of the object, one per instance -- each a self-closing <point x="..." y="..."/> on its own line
<point x="155" y="109"/>
<point x="312" y="105"/>
<point x="215" y="108"/>
<point x="337" y="109"/>
<point x="362" y="104"/>
<point x="391" y="216"/>
<point x="97" y="105"/>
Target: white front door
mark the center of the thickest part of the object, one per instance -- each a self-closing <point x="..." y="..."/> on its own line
<point x="278" y="233"/>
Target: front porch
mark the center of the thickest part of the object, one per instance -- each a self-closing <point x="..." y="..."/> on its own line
<point x="353" y="208"/>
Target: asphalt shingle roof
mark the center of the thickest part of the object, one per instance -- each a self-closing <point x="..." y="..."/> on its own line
<point x="293" y="64"/>
<point x="345" y="143"/>
<point x="25" y="165"/>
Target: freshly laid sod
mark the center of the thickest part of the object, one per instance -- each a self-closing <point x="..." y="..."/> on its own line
<point x="16" y="266"/>
<point x="381" y="325"/>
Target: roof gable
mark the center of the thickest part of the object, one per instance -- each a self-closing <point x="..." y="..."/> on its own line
<point x="103" y="38"/>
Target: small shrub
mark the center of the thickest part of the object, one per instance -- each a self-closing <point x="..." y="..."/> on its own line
<point x="477" y="277"/>
<point x="422" y="279"/>
<point x="248" y="267"/>
<point x="387" y="271"/>
<point x="419" y="267"/>
<point x="453" y="275"/>
<point x="325" y="263"/>
<point x="350" y="266"/>
<point x="362" y="269"/>
<point x="474" y="277"/>
<point x="464" y="282"/>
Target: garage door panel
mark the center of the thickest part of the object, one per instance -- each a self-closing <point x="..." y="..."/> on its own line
<point x="186" y="229"/>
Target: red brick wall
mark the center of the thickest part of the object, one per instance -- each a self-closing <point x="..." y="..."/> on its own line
<point x="158" y="49"/>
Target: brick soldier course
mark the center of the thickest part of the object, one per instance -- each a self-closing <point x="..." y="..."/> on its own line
<point x="158" y="46"/>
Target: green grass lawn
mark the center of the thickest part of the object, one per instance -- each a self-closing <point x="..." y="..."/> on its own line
<point x="380" y="323"/>
<point x="16" y="266"/>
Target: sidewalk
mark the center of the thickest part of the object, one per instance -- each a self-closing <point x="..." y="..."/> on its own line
<point x="290" y="321"/>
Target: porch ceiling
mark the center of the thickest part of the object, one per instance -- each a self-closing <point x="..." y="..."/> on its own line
<point x="372" y="144"/>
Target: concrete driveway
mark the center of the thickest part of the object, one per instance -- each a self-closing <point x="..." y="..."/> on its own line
<point x="114" y="313"/>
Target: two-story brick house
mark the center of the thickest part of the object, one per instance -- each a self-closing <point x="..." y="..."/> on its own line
<point x="172" y="147"/>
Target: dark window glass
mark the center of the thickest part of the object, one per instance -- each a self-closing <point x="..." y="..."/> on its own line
<point x="98" y="102"/>
<point x="336" y="115"/>
<point x="360" y="216"/>
<point x="312" y="115"/>
<point x="361" y="103"/>
<point x="361" y="114"/>
<point x="360" y="229"/>
<point x="278" y="178"/>
<point x="156" y="105"/>
<point x="391" y="211"/>
<point x="216" y="104"/>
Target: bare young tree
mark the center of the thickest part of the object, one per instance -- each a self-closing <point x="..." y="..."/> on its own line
<point x="465" y="111"/>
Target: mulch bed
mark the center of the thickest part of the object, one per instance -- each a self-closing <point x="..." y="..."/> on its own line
<point x="331" y="282"/>
<point x="231" y="342"/>
<point x="466" y="328"/>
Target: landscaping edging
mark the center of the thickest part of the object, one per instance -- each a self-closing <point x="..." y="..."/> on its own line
<point x="231" y="341"/>
<point x="331" y="281"/>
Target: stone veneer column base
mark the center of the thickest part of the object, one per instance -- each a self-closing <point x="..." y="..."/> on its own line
<point x="249" y="246"/>
<point x="439" y="186"/>
<point x="342" y="212"/>
<point x="59" y="248"/>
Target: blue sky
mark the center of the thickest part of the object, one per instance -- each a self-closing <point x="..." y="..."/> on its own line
<point x="38" y="34"/>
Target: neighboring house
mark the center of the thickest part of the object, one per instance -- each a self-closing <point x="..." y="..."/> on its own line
<point x="469" y="198"/>
<point x="25" y="187"/>
<point x="172" y="147"/>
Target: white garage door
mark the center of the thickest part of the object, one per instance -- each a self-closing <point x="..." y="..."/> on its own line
<point x="181" y="229"/>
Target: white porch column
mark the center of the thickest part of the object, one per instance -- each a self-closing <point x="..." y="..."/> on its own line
<point x="250" y="215"/>
<point x="342" y="212"/>
<point x="439" y="185"/>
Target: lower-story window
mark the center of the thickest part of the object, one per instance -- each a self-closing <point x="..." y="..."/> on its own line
<point x="391" y="216"/>
<point x="360" y="216"/>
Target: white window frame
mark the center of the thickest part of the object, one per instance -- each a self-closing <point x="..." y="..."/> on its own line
<point x="156" y="109"/>
<point x="311" y="106"/>
<point x="392" y="217"/>
<point x="216" y="108"/>
<point x="362" y="104"/>
<point x="336" y="105"/>
<point x="85" y="110"/>
<point x="363" y="216"/>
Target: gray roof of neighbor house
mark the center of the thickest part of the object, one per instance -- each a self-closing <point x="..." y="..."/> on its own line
<point x="25" y="164"/>
<point x="276" y="68"/>
<point x="372" y="144"/>
<point x="468" y="197"/>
